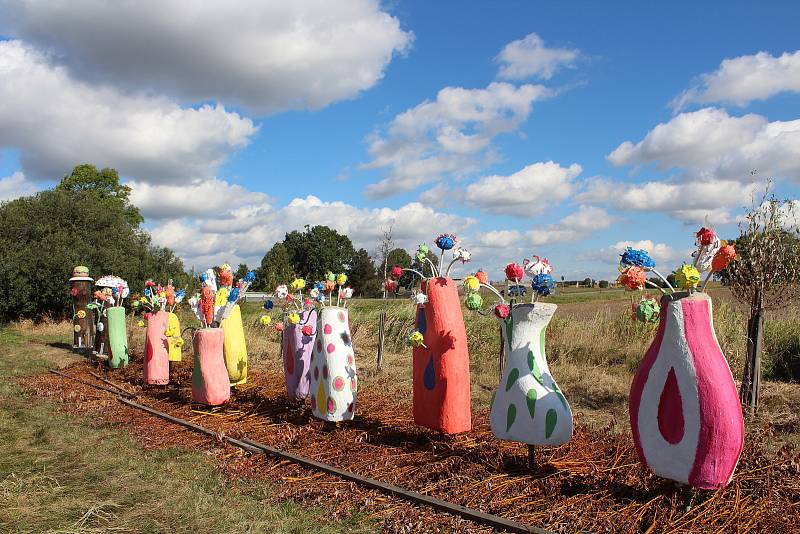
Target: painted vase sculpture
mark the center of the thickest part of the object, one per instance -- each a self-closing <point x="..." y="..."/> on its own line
<point x="117" y="337"/>
<point x="156" y="353"/>
<point x="234" y="347"/>
<point x="83" y="319"/>
<point x="333" y="367"/>
<point x="210" y="382"/>
<point x="528" y="405"/>
<point x="441" y="366"/>
<point x="174" y="325"/>
<point x="684" y="408"/>
<point x="296" y="348"/>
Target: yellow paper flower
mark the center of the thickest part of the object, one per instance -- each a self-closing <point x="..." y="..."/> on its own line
<point x="225" y="267"/>
<point x="140" y="323"/>
<point x="142" y="299"/>
<point x="341" y="279"/>
<point x="222" y="297"/>
<point x="77" y="328"/>
<point x="265" y="320"/>
<point x="293" y="318"/>
<point x="179" y="342"/>
<point x="687" y="276"/>
<point x="416" y="339"/>
<point x="169" y="332"/>
<point x="298" y="284"/>
<point x="81" y="314"/>
<point x="472" y="283"/>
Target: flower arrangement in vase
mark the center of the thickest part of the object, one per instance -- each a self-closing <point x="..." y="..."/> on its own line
<point x="156" y="304"/>
<point x="527" y="406"/>
<point x="234" y="347"/>
<point x="684" y="408"/>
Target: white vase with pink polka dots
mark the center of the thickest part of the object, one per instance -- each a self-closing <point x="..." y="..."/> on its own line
<point x="333" y="367"/>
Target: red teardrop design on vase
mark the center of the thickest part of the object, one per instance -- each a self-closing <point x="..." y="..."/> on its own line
<point x="684" y="407"/>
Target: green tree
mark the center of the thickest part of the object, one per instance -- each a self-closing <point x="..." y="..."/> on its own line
<point x="275" y="268"/>
<point x="241" y="270"/>
<point x="317" y="250"/>
<point x="101" y="186"/>
<point x="362" y="275"/>
<point x="46" y="235"/>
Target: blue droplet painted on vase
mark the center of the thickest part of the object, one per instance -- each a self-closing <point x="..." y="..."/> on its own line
<point x="421" y="325"/>
<point x="429" y="378"/>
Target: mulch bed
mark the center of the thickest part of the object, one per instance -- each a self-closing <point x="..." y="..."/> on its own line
<point x="593" y="483"/>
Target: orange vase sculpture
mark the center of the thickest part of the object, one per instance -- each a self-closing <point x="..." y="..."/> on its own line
<point x="441" y="367"/>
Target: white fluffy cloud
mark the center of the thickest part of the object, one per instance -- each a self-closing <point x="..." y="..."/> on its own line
<point x="15" y="186"/>
<point x="526" y="193"/>
<point x="529" y="57"/>
<point x="56" y="121"/>
<point x="200" y="198"/>
<point x="711" y="144"/>
<point x="449" y="136"/>
<point x="743" y="79"/>
<point x="690" y="202"/>
<point x="574" y="227"/>
<point x="245" y="235"/>
<point x="266" y="55"/>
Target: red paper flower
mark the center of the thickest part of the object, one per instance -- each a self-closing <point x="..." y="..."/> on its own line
<point x="391" y="285"/>
<point x="396" y="272"/>
<point x="307" y="330"/>
<point x="74" y="291"/>
<point x="514" y="272"/>
<point x="502" y="310"/>
<point x="149" y="283"/>
<point x="279" y="327"/>
<point x="705" y="236"/>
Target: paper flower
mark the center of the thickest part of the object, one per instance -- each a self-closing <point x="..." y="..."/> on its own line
<point x="74" y="291"/>
<point x="233" y="296"/>
<point x="390" y="285"/>
<point x="330" y="285"/>
<point x="472" y="283"/>
<point x="293" y="318"/>
<point x="320" y="297"/>
<point x="474" y="301"/>
<point x="396" y="272"/>
<point x="77" y="328"/>
<point x="346" y="293"/>
<point x="179" y="342"/>
<point x="543" y="284"/>
<point x="462" y="254"/>
<point x="268" y="305"/>
<point x="225" y="277"/>
<point x="249" y="277"/>
<point x="169" y="332"/>
<point x="647" y="310"/>
<point x="419" y="298"/>
<point x="341" y="279"/>
<point x="314" y="292"/>
<point x="482" y="277"/>
<point x="446" y="241"/>
<point x="502" y="310"/>
<point x="307" y="330"/>
<point x="705" y="237"/>
<point x="422" y="252"/>
<point x="330" y="276"/>
<point x="639" y="258"/>
<point x="140" y="323"/>
<point x="632" y="278"/>
<point x="221" y="297"/>
<point x="687" y="276"/>
<point x="308" y="304"/>
<point x="298" y="284"/>
<point x="319" y="286"/>
<point x="514" y="272"/>
<point x="281" y="291"/>
<point x="416" y="339"/>
<point x="146" y="293"/>
<point x="149" y="283"/>
<point x="279" y="327"/>
<point x="536" y="265"/>
<point x="81" y="314"/>
<point x="265" y="320"/>
<point x="723" y="257"/>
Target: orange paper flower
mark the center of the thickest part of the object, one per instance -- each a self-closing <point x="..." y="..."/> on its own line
<point x="633" y="278"/>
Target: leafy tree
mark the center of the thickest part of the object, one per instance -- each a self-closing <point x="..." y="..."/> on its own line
<point x="362" y="275"/>
<point x="46" y="235"/>
<point x="399" y="257"/>
<point x="275" y="269"/>
<point x="317" y="250"/>
<point x="241" y="271"/>
<point x="603" y="284"/>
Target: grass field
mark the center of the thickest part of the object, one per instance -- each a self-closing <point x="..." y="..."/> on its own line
<point x="67" y="474"/>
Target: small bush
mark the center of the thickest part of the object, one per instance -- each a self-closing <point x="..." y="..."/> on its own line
<point x="781" y="359"/>
<point x="603" y="284"/>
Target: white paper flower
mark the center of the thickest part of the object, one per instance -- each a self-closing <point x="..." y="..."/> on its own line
<point x="313" y="293"/>
<point x="705" y="255"/>
<point x="420" y="299"/>
<point x="461" y="254"/>
<point x="536" y="265"/>
<point x="346" y="293"/>
<point x="281" y="292"/>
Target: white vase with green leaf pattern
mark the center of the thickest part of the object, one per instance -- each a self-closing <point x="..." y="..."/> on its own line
<point x="528" y="405"/>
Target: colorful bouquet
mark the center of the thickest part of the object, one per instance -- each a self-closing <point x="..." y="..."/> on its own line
<point x="292" y="300"/>
<point x="218" y="295"/>
<point x="711" y="256"/>
<point x="542" y="285"/>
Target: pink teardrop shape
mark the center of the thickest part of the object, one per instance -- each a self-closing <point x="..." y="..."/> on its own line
<point x="670" y="410"/>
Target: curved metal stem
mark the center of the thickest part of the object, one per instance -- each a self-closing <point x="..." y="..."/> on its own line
<point x="663" y="278"/>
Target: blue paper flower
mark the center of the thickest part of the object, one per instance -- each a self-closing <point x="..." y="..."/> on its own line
<point x="114" y="290"/>
<point x="639" y="258"/>
<point x="146" y="292"/>
<point x="268" y="305"/>
<point x="233" y="296"/>
<point x="543" y="284"/>
<point x="321" y="297"/>
<point x="250" y="276"/>
<point x="319" y="286"/>
<point x="203" y="276"/>
<point x="446" y="241"/>
<point x="180" y="293"/>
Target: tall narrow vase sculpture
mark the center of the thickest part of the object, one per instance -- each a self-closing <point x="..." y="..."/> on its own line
<point x="684" y="408"/>
<point x="441" y="365"/>
<point x="210" y="382"/>
<point x="82" y="319"/>
<point x="234" y="347"/>
<point x="333" y="367"/>
<point x="117" y="337"/>
<point x="296" y="350"/>
<point x="174" y="325"/>
<point x="156" y="355"/>
<point x="528" y="406"/>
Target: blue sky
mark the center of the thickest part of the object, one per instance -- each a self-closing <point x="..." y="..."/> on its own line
<point x="253" y="121"/>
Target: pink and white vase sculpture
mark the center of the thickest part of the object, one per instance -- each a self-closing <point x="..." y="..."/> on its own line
<point x="684" y="409"/>
<point x="297" y="345"/>
<point x="334" y="382"/>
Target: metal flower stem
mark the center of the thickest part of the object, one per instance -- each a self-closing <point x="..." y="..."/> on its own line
<point x="447" y="273"/>
<point x="651" y="284"/>
<point x="663" y="278"/>
<point x="414" y="271"/>
<point x="493" y="290"/>
<point x="705" y="282"/>
<point x="434" y="271"/>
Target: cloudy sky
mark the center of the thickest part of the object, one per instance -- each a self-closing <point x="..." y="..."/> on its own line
<point x="567" y="130"/>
